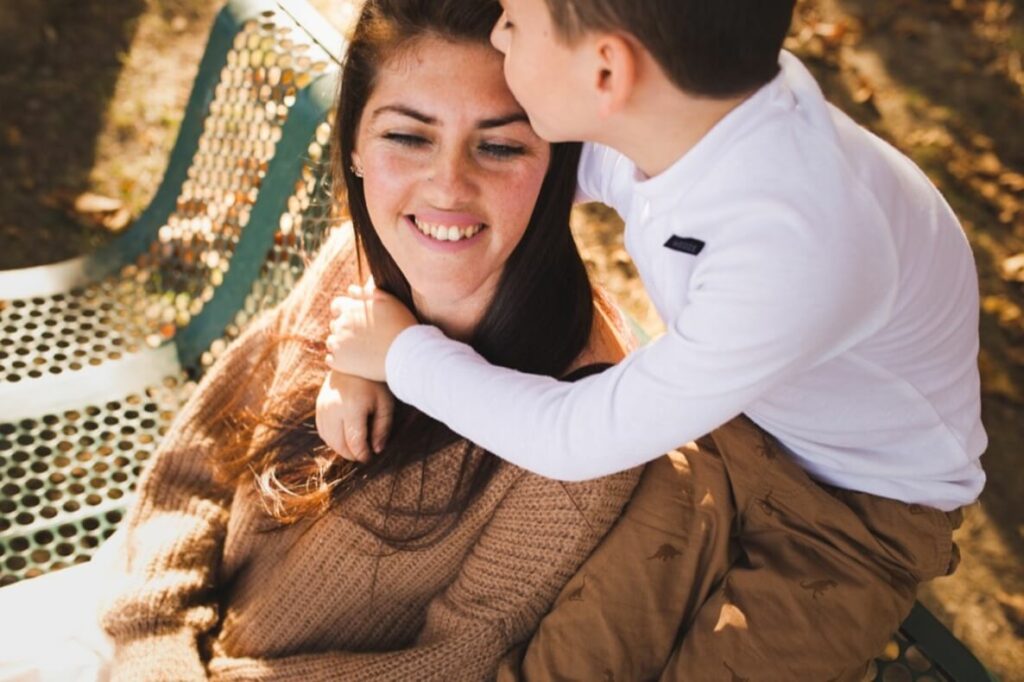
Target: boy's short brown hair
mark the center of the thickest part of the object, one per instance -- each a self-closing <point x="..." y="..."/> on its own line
<point x="716" y="48"/>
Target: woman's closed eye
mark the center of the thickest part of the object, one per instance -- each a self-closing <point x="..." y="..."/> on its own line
<point x="502" y="151"/>
<point x="406" y="139"/>
<point x="495" y="150"/>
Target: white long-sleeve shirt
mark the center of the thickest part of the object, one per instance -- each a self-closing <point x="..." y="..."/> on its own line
<point x="809" y="275"/>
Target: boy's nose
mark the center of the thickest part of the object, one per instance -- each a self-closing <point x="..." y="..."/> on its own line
<point x="499" y="36"/>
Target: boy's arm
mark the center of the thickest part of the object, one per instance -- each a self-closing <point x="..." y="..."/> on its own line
<point x="753" y="320"/>
<point x="345" y="406"/>
<point x="604" y="175"/>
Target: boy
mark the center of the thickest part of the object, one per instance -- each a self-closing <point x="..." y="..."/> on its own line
<point x="811" y="278"/>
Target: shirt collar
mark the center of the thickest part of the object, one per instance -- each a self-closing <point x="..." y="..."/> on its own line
<point x="664" y="190"/>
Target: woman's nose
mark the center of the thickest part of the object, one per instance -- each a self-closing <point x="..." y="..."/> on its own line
<point x="451" y="180"/>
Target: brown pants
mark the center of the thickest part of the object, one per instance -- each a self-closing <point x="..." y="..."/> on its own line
<point x="730" y="563"/>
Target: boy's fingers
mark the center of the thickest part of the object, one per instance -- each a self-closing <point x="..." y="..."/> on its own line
<point x="342" y="303"/>
<point x="329" y="427"/>
<point x="355" y="439"/>
<point x="336" y="441"/>
<point x="382" y="423"/>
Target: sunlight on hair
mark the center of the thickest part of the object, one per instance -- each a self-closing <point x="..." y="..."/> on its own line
<point x="275" y="495"/>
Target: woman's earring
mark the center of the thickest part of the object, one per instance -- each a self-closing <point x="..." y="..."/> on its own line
<point x="356" y="170"/>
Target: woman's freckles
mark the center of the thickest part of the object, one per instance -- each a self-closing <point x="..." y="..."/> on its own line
<point x="452" y="170"/>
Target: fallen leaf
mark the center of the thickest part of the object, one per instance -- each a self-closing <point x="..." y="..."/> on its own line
<point x="1013" y="608"/>
<point x="1012" y="181"/>
<point x="832" y="33"/>
<point x="989" y="190"/>
<point x="989" y="164"/>
<point x="118" y="220"/>
<point x="1012" y="269"/>
<point x="89" y="202"/>
<point x="863" y="94"/>
<point x="983" y="141"/>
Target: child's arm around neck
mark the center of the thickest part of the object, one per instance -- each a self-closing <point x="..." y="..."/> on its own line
<point x="762" y="314"/>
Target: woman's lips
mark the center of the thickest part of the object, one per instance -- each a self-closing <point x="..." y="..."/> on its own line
<point x="439" y="236"/>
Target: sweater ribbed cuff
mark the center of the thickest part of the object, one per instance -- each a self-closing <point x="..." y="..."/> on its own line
<point x="171" y="656"/>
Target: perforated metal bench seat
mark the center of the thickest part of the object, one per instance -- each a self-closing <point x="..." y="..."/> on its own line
<point x="98" y="353"/>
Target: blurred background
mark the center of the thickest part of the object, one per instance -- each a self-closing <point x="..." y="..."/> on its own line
<point x="92" y="93"/>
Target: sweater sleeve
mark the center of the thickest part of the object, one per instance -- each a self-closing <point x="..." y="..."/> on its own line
<point x="174" y="534"/>
<point x="538" y="537"/>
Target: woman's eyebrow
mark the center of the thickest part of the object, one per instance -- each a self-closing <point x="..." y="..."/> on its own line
<point x="518" y="117"/>
<point x="405" y="111"/>
<point x="483" y="124"/>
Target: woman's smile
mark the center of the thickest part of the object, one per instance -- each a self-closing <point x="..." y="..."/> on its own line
<point x="445" y="236"/>
<point x="451" y="172"/>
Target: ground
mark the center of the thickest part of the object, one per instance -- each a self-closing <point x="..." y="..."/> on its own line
<point x="94" y="92"/>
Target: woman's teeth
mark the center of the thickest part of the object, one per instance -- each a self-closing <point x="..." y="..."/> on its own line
<point x="447" y="233"/>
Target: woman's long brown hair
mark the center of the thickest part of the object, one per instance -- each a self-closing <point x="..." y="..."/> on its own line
<point x="539" y="320"/>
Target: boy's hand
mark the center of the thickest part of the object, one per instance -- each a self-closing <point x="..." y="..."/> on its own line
<point x="366" y="324"/>
<point x="344" y="407"/>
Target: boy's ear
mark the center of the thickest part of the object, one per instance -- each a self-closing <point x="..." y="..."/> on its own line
<point x="617" y="63"/>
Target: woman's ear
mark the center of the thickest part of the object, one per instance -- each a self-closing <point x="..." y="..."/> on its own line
<point x="617" y="63"/>
<point x="357" y="164"/>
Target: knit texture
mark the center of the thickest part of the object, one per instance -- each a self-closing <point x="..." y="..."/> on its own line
<point x="213" y="588"/>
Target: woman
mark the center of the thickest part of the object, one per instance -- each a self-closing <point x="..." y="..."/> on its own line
<point x="255" y="553"/>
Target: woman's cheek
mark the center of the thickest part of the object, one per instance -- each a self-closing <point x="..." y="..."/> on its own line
<point x="386" y="181"/>
<point x="517" y="192"/>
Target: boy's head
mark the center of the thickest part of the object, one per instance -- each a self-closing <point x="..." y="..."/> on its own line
<point x="705" y="48"/>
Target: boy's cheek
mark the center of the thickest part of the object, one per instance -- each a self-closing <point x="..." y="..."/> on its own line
<point x="539" y="98"/>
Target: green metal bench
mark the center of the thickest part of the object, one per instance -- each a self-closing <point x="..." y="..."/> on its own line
<point x="98" y="353"/>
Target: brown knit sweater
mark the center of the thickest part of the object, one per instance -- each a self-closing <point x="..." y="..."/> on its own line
<point x="209" y="593"/>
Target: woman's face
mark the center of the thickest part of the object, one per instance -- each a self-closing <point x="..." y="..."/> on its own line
<point x="451" y="173"/>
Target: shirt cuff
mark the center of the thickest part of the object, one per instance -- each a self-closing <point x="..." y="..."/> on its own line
<point x="401" y="352"/>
